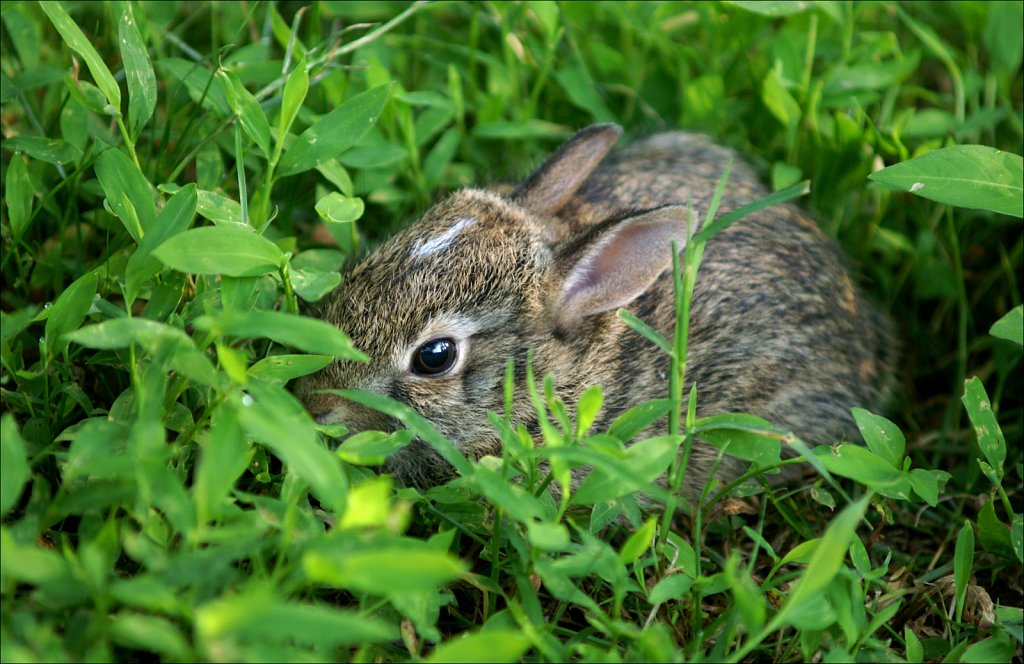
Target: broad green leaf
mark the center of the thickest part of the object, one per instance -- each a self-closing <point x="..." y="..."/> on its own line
<point x="257" y="616"/>
<point x="29" y="563"/>
<point x="993" y="534"/>
<point x="312" y="285"/>
<point x="587" y="408"/>
<point x="175" y="217"/>
<point x="378" y="155"/>
<point x="778" y="100"/>
<point x="638" y="543"/>
<point x="335" y="208"/>
<point x="563" y="588"/>
<point x="248" y="111"/>
<point x="398" y="568"/>
<point x="335" y="132"/>
<point x="928" y="484"/>
<point x="801" y="553"/>
<point x="372" y="448"/>
<point x="1009" y="327"/>
<point x="325" y="260"/>
<point x="25" y="35"/>
<point x="971" y="176"/>
<point x="487" y="645"/>
<point x="123" y="332"/>
<point x="222" y="460"/>
<point x="670" y="588"/>
<point x="642" y="463"/>
<point x="219" y="209"/>
<point x="14" y="470"/>
<point x="89" y="97"/>
<point x="138" y="71"/>
<point x="18" y="196"/>
<point x="749" y="599"/>
<point x="844" y="79"/>
<point x="963" y="565"/>
<point x="548" y="536"/>
<point x="773" y="8"/>
<point x="148" y="633"/>
<point x="1004" y="36"/>
<point x="121" y="180"/>
<point x="986" y="427"/>
<point x="582" y="92"/>
<point x="275" y="418"/>
<point x="50" y="150"/>
<point x="440" y="157"/>
<point x="743" y="436"/>
<point x="233" y="362"/>
<point x="295" y="89"/>
<point x="826" y="560"/>
<point x="859" y="464"/>
<point x="368" y="505"/>
<point x="236" y="252"/>
<point x="286" y="367"/>
<point x="146" y="591"/>
<point x="628" y="425"/>
<point x="78" y="42"/>
<point x="99" y="450"/>
<point x="882" y="436"/>
<point x="512" y="498"/>
<point x="999" y="647"/>
<point x="68" y="312"/>
<point x="915" y="652"/>
<point x="814" y="614"/>
<point x="194" y="365"/>
<point x="311" y="335"/>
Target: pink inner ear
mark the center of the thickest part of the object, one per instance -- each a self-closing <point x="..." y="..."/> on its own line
<point x="622" y="263"/>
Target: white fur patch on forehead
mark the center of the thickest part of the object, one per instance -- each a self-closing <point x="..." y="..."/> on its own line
<point x="441" y="242"/>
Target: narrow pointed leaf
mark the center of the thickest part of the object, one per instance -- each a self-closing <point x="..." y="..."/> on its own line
<point x="78" y="42"/>
<point x="335" y="132"/>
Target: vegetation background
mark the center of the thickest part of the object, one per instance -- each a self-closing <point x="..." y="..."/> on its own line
<point x="180" y="177"/>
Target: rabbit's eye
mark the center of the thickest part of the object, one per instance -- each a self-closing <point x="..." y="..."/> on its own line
<point x="435" y="357"/>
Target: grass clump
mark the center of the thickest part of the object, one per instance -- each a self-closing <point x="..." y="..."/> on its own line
<point x="180" y="178"/>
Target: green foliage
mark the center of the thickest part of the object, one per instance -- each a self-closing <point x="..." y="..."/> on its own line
<point x="180" y="179"/>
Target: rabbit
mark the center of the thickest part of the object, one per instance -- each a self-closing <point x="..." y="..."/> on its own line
<point x="777" y="327"/>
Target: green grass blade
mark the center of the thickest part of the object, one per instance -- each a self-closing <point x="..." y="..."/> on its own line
<point x="729" y="218"/>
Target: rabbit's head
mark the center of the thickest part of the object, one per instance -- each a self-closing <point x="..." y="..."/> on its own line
<point x="444" y="304"/>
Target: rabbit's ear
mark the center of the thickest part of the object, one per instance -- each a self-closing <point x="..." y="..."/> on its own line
<point x="621" y="263"/>
<point x="553" y="184"/>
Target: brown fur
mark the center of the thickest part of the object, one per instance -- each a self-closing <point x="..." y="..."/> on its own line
<point x="777" y="327"/>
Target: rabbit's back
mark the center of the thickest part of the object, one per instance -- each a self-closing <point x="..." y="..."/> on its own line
<point x="777" y="327"/>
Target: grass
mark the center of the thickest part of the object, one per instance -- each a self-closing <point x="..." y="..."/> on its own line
<point x="180" y="179"/>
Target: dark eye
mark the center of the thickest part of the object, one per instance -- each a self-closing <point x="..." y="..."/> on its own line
<point x="435" y="357"/>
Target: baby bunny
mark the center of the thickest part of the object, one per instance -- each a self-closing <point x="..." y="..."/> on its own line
<point x="777" y="327"/>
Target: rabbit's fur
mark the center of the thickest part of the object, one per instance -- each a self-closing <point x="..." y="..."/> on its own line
<point x="777" y="327"/>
